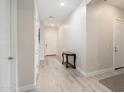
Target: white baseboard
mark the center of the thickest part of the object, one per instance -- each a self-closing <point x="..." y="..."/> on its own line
<point x="99" y="72"/>
<point x="81" y="71"/>
<point x="26" y="88"/>
<point x="95" y="72"/>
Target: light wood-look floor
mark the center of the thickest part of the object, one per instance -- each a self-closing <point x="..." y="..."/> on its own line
<point x="54" y="77"/>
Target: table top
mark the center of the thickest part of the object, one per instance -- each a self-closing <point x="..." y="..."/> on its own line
<point x="68" y="52"/>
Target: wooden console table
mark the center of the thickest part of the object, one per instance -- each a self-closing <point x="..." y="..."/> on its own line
<point x="67" y="54"/>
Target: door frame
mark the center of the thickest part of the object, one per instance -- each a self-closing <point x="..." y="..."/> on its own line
<point x="46" y="45"/>
<point x="116" y="19"/>
<point x="13" y="45"/>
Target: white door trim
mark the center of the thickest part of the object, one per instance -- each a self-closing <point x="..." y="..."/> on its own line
<point x="14" y="52"/>
<point x="49" y="51"/>
<point x="116" y="19"/>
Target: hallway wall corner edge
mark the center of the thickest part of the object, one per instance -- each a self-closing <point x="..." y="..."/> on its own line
<point x="90" y="74"/>
<point x="82" y="72"/>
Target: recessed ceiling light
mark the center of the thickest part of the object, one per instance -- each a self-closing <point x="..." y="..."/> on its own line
<point x="52" y="24"/>
<point x="62" y="4"/>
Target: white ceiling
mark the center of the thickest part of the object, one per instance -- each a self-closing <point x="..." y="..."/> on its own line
<point x="118" y="3"/>
<point x="52" y="8"/>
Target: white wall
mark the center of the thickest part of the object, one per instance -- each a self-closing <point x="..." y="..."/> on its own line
<point x="72" y="35"/>
<point x="25" y="27"/>
<point x="42" y="42"/>
<point x="37" y="44"/>
<point x="100" y="35"/>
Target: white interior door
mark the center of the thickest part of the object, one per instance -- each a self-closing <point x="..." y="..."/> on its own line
<point x="118" y="43"/>
<point x="51" y="42"/>
<point x="5" y="46"/>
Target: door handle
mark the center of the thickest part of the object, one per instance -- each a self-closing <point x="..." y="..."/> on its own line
<point x="46" y="45"/>
<point x="116" y="49"/>
<point x="10" y="58"/>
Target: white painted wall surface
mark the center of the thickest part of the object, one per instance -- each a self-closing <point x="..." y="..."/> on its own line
<point x="72" y="35"/>
<point x="37" y="54"/>
<point x="26" y="29"/>
<point x="37" y="44"/>
<point x="42" y="42"/>
<point x="100" y="17"/>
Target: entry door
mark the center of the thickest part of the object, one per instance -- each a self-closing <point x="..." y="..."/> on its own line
<point x="118" y="43"/>
<point x="51" y="42"/>
<point x="5" y="47"/>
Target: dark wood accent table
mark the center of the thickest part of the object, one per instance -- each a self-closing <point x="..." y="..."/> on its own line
<point x="67" y="54"/>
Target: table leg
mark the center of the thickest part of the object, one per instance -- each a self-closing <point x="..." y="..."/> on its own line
<point x="74" y="61"/>
<point x="63" y="58"/>
<point x="66" y="61"/>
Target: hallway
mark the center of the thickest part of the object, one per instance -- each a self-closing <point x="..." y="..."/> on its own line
<point x="81" y="32"/>
<point x="54" y="76"/>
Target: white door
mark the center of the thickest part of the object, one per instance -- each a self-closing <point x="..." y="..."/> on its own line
<point x="51" y="42"/>
<point x="6" y="60"/>
<point x="118" y="43"/>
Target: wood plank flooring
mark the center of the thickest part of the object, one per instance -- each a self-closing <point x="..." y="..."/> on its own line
<point x="54" y="77"/>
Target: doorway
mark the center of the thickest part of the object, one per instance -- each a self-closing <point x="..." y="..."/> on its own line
<point x="118" y="43"/>
<point x="51" y="39"/>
